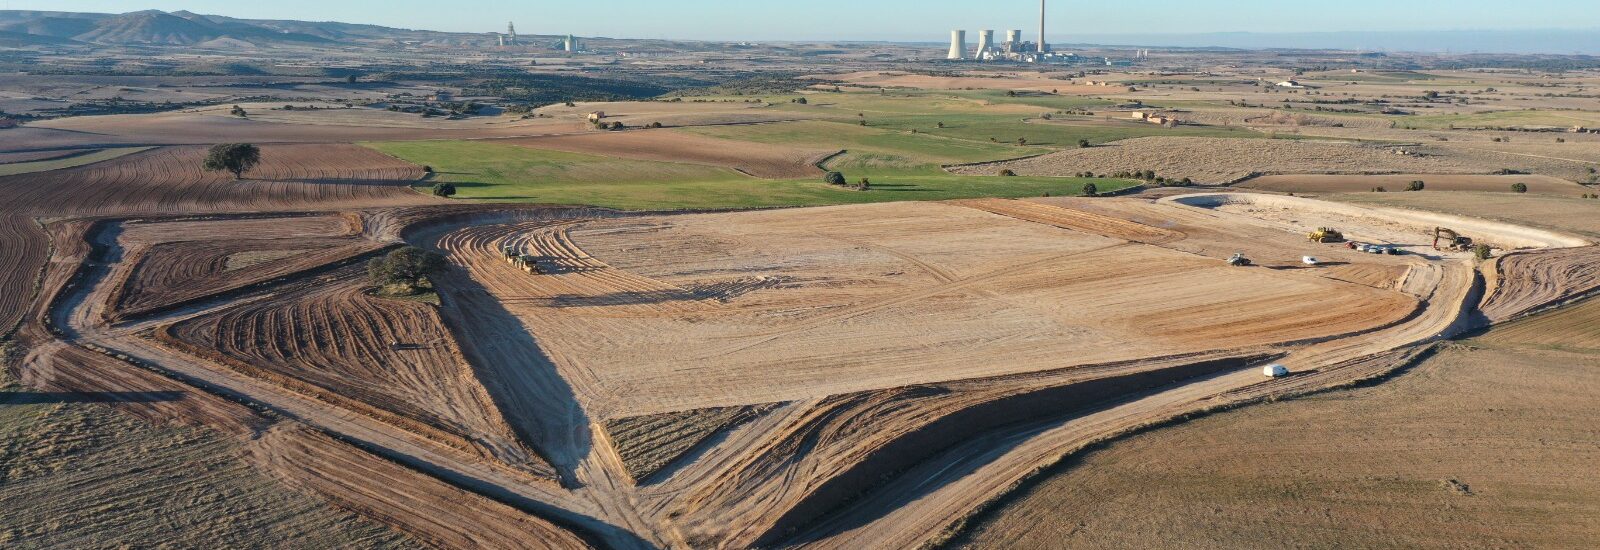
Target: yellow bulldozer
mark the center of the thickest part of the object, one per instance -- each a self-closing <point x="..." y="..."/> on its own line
<point x="1326" y="235"/>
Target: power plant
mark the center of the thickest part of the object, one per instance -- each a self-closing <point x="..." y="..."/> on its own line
<point x="1013" y="49"/>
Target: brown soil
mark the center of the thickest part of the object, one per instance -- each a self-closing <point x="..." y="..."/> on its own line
<point x="649" y="443"/>
<point x="167" y="274"/>
<point x="1526" y="281"/>
<point x="35" y="156"/>
<point x="425" y="508"/>
<point x="756" y="159"/>
<point x="23" y="248"/>
<point x="290" y="177"/>
<point x="390" y="358"/>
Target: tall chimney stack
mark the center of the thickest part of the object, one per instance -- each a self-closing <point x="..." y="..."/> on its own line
<point x="1042" y="47"/>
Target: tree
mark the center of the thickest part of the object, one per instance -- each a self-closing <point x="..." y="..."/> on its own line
<point x="1008" y="173"/>
<point x="409" y="266"/>
<point x="800" y="101"/>
<point x="237" y="158"/>
<point x="239" y="112"/>
<point x="941" y="126"/>
<point x="1482" y="251"/>
<point x="444" y="189"/>
<point x="1083" y="144"/>
<point x="1090" y="190"/>
<point x="1417" y="185"/>
<point x="1519" y="187"/>
<point x="1022" y="141"/>
<point x="350" y="79"/>
<point x="834" y="178"/>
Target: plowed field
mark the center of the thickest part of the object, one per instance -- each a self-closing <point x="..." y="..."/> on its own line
<point x="290" y="177"/>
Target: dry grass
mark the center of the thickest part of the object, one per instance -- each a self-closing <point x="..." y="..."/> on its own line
<point x="1473" y="448"/>
<point x="81" y="475"/>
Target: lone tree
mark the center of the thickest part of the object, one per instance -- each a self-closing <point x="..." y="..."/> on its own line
<point x="1083" y="144"/>
<point x="1417" y="185"/>
<point x="834" y="178"/>
<point x="1090" y="190"/>
<point x="239" y="112"/>
<point x="236" y="158"/>
<point x="1519" y="187"/>
<point x="444" y="189"/>
<point x="405" y="270"/>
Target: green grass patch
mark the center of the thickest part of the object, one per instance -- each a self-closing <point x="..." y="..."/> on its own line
<point x="1498" y="119"/>
<point x="69" y="162"/>
<point x="484" y="171"/>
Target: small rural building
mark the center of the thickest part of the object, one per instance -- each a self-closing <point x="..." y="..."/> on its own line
<point x="1141" y="115"/>
<point x="1291" y="84"/>
<point x="442" y="96"/>
<point x="597" y="116"/>
<point x="1275" y="371"/>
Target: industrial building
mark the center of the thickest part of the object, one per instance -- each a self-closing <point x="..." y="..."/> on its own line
<point x="1013" y="49"/>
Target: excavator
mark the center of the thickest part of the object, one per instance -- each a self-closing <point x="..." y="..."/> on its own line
<point x="1238" y="260"/>
<point x="1448" y="239"/>
<point x="1326" y="235"/>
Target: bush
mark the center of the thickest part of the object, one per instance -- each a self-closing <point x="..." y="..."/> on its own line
<point x="1084" y="144"/>
<point x="833" y="178"/>
<point x="427" y="169"/>
<point x="1519" y="187"/>
<point x="653" y="125"/>
<point x="1416" y="185"/>
<point x="864" y="185"/>
<point x="1482" y="251"/>
<point x="444" y="189"/>
<point x="1090" y="190"/>
<point x="1379" y="189"/>
<point x="1008" y="173"/>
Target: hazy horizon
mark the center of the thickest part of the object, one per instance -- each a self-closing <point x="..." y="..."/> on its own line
<point x="1535" y="26"/>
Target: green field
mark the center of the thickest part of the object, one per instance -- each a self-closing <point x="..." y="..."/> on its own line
<point x="69" y="162"/>
<point x="484" y="171"/>
<point x="1499" y="119"/>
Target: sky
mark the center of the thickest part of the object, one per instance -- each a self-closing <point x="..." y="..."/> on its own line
<point x="893" y="20"/>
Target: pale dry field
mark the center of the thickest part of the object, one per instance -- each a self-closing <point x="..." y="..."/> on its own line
<point x="974" y="81"/>
<point x="731" y="309"/>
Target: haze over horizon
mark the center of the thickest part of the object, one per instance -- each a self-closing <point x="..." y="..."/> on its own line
<point x="894" y="20"/>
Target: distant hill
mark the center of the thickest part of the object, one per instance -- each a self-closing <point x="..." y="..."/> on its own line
<point x="152" y="27"/>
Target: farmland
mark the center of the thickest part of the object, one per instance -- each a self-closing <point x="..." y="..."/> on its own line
<point x="652" y="323"/>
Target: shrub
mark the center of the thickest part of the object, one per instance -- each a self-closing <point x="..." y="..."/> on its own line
<point x="239" y="112"/>
<point x="864" y="184"/>
<point x="1090" y="190"/>
<point x="800" y="101"/>
<point x="653" y="125"/>
<point x="1482" y="251"/>
<point x="1417" y="185"/>
<point x="833" y="178"/>
<point x="444" y="189"/>
<point x="1519" y="187"/>
<point x="1084" y="144"/>
<point x="1008" y="173"/>
<point x="1379" y="189"/>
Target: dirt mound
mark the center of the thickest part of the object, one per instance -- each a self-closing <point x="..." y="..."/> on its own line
<point x="1526" y="281"/>
<point x="756" y="159"/>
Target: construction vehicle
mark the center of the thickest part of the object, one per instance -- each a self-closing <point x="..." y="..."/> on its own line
<point x="1448" y="239"/>
<point x="529" y="264"/>
<point x="1238" y="260"/>
<point x="1326" y="235"/>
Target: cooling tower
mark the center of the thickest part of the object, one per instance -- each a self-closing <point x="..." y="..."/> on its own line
<point x="958" y="45"/>
<point x="1014" y="37"/>
<point x="985" y="43"/>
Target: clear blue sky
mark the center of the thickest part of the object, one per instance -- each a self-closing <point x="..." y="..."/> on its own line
<point x="919" y="20"/>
